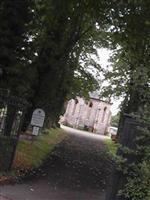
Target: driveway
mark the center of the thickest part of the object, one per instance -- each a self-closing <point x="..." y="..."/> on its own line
<point x="77" y="170"/>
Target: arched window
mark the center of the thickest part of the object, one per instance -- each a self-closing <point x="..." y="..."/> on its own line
<point x="91" y="104"/>
<point x="89" y="109"/>
<point x="97" y="114"/>
<point x="104" y="114"/>
<point x="75" y="105"/>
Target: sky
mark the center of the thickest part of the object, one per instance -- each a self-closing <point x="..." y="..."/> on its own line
<point x="104" y="55"/>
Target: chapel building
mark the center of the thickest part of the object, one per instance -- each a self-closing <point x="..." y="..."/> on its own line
<point x="93" y="115"/>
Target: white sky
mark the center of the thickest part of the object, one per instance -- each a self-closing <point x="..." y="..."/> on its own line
<point x="104" y="55"/>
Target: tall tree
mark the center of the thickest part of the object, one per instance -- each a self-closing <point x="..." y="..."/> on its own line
<point x="15" y="18"/>
<point x="65" y="31"/>
<point x="131" y="34"/>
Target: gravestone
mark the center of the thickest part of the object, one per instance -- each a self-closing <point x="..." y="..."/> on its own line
<point x="37" y="120"/>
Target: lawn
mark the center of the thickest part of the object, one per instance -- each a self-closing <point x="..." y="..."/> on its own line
<point x="31" y="154"/>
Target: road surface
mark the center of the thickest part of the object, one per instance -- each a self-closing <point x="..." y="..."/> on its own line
<point x="77" y="170"/>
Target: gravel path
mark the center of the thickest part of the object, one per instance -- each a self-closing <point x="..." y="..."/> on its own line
<point x="77" y="170"/>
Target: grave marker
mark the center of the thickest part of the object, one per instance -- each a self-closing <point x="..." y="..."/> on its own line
<point x="37" y="120"/>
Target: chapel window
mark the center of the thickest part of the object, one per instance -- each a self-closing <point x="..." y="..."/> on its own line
<point x="104" y="114"/>
<point x="75" y="105"/>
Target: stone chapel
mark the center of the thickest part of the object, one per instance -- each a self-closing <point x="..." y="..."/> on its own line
<point x="93" y="115"/>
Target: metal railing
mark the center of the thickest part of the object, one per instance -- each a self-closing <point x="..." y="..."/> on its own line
<point x="12" y="111"/>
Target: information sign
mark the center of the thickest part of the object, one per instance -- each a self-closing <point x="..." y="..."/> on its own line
<point x="35" y="131"/>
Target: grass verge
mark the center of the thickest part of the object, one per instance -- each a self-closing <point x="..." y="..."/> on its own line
<point x="31" y="154"/>
<point x="112" y="146"/>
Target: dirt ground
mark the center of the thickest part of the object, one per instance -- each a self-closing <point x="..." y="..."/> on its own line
<point x="78" y="169"/>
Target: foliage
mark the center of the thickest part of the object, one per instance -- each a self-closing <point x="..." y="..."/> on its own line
<point x="112" y="147"/>
<point x="15" y="54"/>
<point x="44" y="47"/>
<point x="66" y="33"/>
<point x="115" y="120"/>
<point x="129" y="36"/>
<point x="130" y="77"/>
<point x="137" y="170"/>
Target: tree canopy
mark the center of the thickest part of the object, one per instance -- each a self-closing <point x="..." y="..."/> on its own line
<point x="15" y="19"/>
<point x="65" y="35"/>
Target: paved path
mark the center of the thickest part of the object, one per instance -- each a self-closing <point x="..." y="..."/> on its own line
<point x="77" y="170"/>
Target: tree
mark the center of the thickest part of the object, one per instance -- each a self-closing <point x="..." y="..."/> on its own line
<point x="130" y="33"/>
<point x="15" y="55"/>
<point x="66" y="32"/>
<point x="115" y="120"/>
<point x="15" y="18"/>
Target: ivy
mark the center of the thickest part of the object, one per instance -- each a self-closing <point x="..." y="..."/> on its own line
<point x="134" y="164"/>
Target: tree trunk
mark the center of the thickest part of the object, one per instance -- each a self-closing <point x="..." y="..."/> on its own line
<point x="27" y="119"/>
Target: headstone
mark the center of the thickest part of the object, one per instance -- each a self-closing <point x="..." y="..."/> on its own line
<point x="37" y="121"/>
<point x="38" y="117"/>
